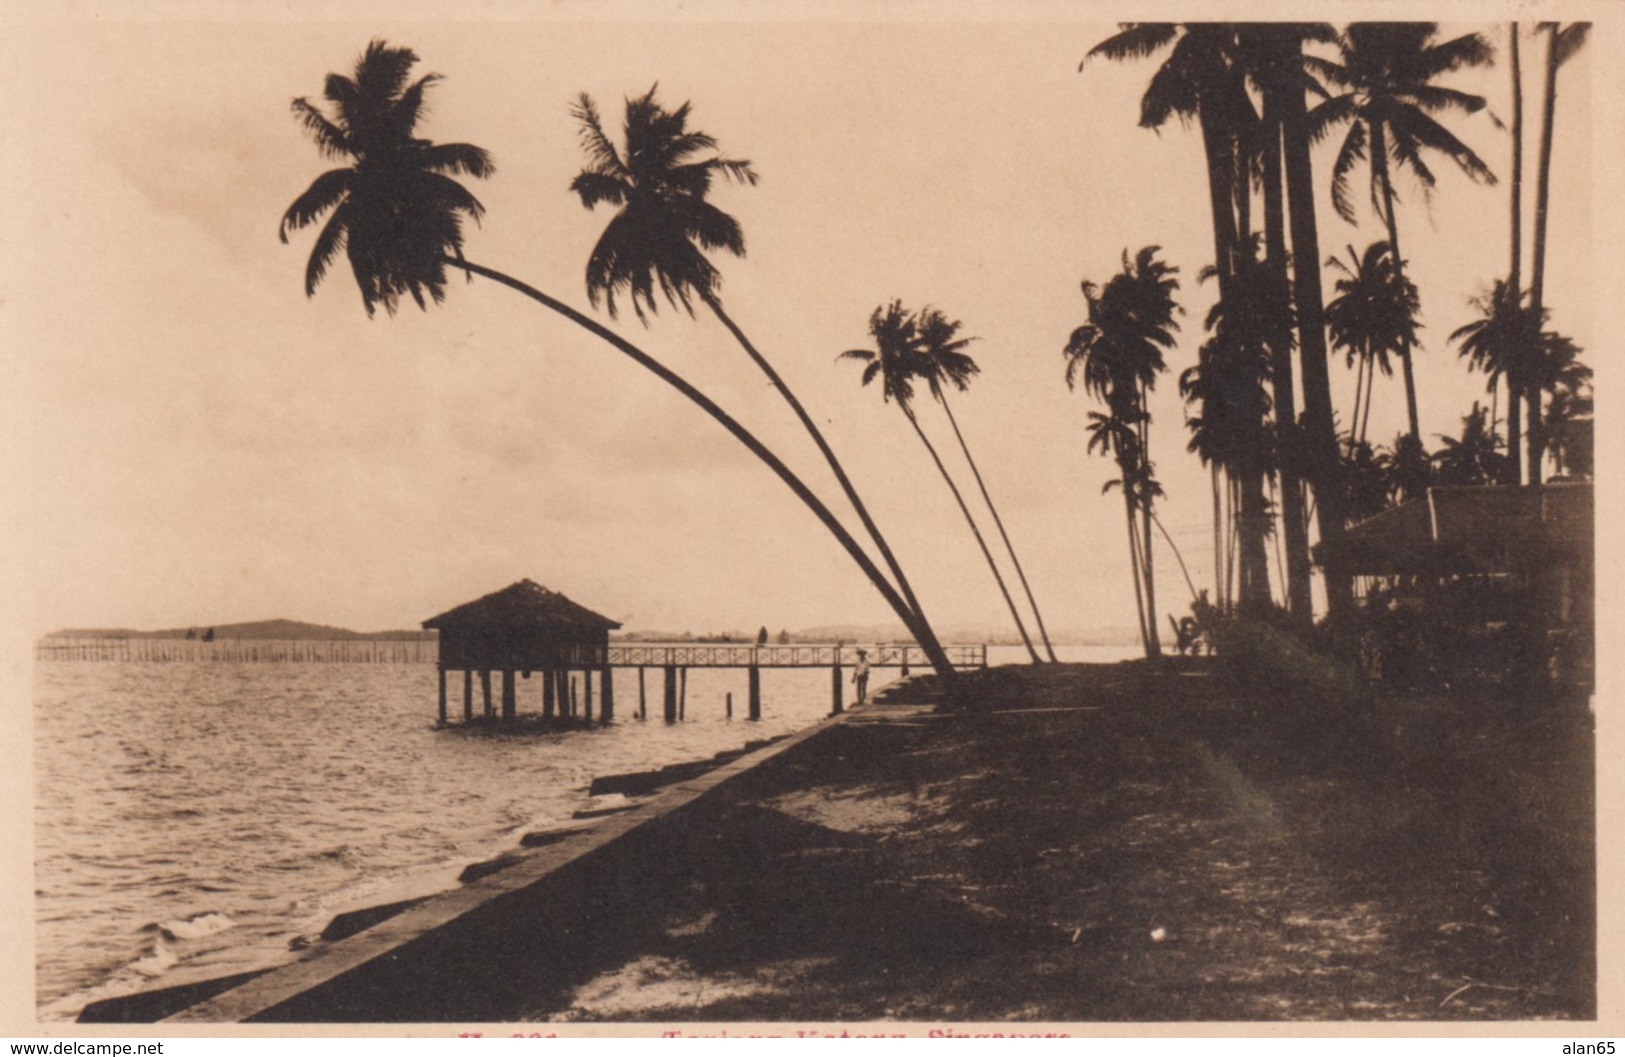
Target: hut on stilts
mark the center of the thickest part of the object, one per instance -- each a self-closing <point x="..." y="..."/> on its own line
<point x="523" y="629"/>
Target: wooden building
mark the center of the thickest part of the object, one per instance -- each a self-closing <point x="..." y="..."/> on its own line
<point x="1504" y="555"/>
<point x="520" y="630"/>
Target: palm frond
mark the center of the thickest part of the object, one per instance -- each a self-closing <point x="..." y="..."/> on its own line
<point x="600" y="149"/>
<point x="594" y="187"/>
<point x="458" y="159"/>
<point x="327" y="191"/>
<point x="326" y="248"/>
<point x="1134" y="40"/>
<point x="330" y="139"/>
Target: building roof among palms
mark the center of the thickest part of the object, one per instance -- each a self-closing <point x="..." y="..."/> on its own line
<point x="524" y="604"/>
<point x="1483" y="528"/>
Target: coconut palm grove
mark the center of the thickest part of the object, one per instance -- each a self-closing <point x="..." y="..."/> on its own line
<point x="1308" y="505"/>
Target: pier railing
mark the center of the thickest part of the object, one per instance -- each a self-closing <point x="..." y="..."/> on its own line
<point x="426" y="651"/>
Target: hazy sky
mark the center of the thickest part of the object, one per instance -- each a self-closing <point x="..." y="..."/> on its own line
<point x="196" y="442"/>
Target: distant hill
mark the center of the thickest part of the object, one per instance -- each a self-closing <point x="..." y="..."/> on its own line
<point x="258" y="629"/>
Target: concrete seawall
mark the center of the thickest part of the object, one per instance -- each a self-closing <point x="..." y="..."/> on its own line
<point x="500" y="944"/>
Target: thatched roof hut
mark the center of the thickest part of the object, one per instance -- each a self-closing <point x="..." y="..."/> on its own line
<point x="523" y="627"/>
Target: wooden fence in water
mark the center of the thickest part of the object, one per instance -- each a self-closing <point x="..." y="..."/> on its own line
<point x="330" y="651"/>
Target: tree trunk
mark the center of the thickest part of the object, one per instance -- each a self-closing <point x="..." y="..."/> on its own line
<point x="1134" y="567"/>
<point x="1152" y="634"/>
<point x="999" y="522"/>
<point x="1379" y="165"/>
<point x="1514" y="272"/>
<point x="971" y="521"/>
<point x="1300" y="603"/>
<point x="1537" y="276"/>
<point x="1320" y="428"/>
<point x="912" y="620"/>
<point x="1219" y="563"/>
<point x="823" y="446"/>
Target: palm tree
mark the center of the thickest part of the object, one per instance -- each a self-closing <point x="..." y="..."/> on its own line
<point x="1388" y="73"/>
<point x="1373" y="314"/>
<point x="1562" y="43"/>
<point x="898" y="359"/>
<point x="658" y="237"/>
<point x="1472" y="459"/>
<point x="396" y="209"/>
<point x="1501" y="342"/>
<point x="398" y="213"/>
<point x="1118" y="353"/>
<point x="942" y="358"/>
<point x="1232" y="383"/>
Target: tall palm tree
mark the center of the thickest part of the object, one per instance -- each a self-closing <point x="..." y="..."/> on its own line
<point x="942" y="359"/>
<point x="1232" y="384"/>
<point x="1118" y="354"/>
<point x="1562" y="43"/>
<point x="1387" y="74"/>
<point x="658" y="181"/>
<point x="1501" y="342"/>
<point x="1271" y="56"/>
<point x="898" y="360"/>
<point x="1373" y="315"/>
<point x="398" y="213"/>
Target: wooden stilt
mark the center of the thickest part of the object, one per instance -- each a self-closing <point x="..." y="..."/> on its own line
<point x="586" y="694"/>
<point x="485" y="690"/>
<point x="730" y="704"/>
<point x="682" y="696"/>
<point x="643" y="702"/>
<point x="575" y="703"/>
<point x="549" y="685"/>
<point x="753" y="705"/>
<point x="671" y="694"/>
<point x="836" y="686"/>
<point x="607" y="711"/>
<point x="510" y="704"/>
<point x="442" y="697"/>
<point x="468" y="695"/>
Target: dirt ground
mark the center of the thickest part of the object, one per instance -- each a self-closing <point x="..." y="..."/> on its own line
<point x="1096" y="843"/>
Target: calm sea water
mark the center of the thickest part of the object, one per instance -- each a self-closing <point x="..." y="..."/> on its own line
<point x="194" y="819"/>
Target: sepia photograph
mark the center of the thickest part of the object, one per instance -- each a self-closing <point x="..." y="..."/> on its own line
<point x="810" y="520"/>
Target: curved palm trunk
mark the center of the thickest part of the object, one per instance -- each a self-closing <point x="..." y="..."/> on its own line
<point x="1319" y="426"/>
<point x="1379" y="163"/>
<point x="817" y="435"/>
<point x="1359" y="392"/>
<point x="1009" y="548"/>
<point x="1180" y="558"/>
<point x="980" y="542"/>
<point x="911" y="619"/>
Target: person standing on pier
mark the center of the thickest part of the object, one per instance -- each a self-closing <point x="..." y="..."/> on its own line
<point x="860" y="675"/>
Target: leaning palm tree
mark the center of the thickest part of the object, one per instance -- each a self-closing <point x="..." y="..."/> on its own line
<point x="1387" y="73"/>
<point x="398" y="213"/>
<point x="1373" y="315"/>
<point x="898" y="360"/>
<point x="942" y="359"/>
<point x="658" y="180"/>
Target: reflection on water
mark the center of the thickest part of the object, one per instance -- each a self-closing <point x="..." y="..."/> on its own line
<point x="205" y="815"/>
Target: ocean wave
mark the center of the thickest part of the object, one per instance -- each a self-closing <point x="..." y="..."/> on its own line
<point x="196" y="927"/>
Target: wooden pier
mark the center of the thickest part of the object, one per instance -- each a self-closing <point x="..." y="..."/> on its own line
<point x="673" y="660"/>
<point x="239" y="651"/>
